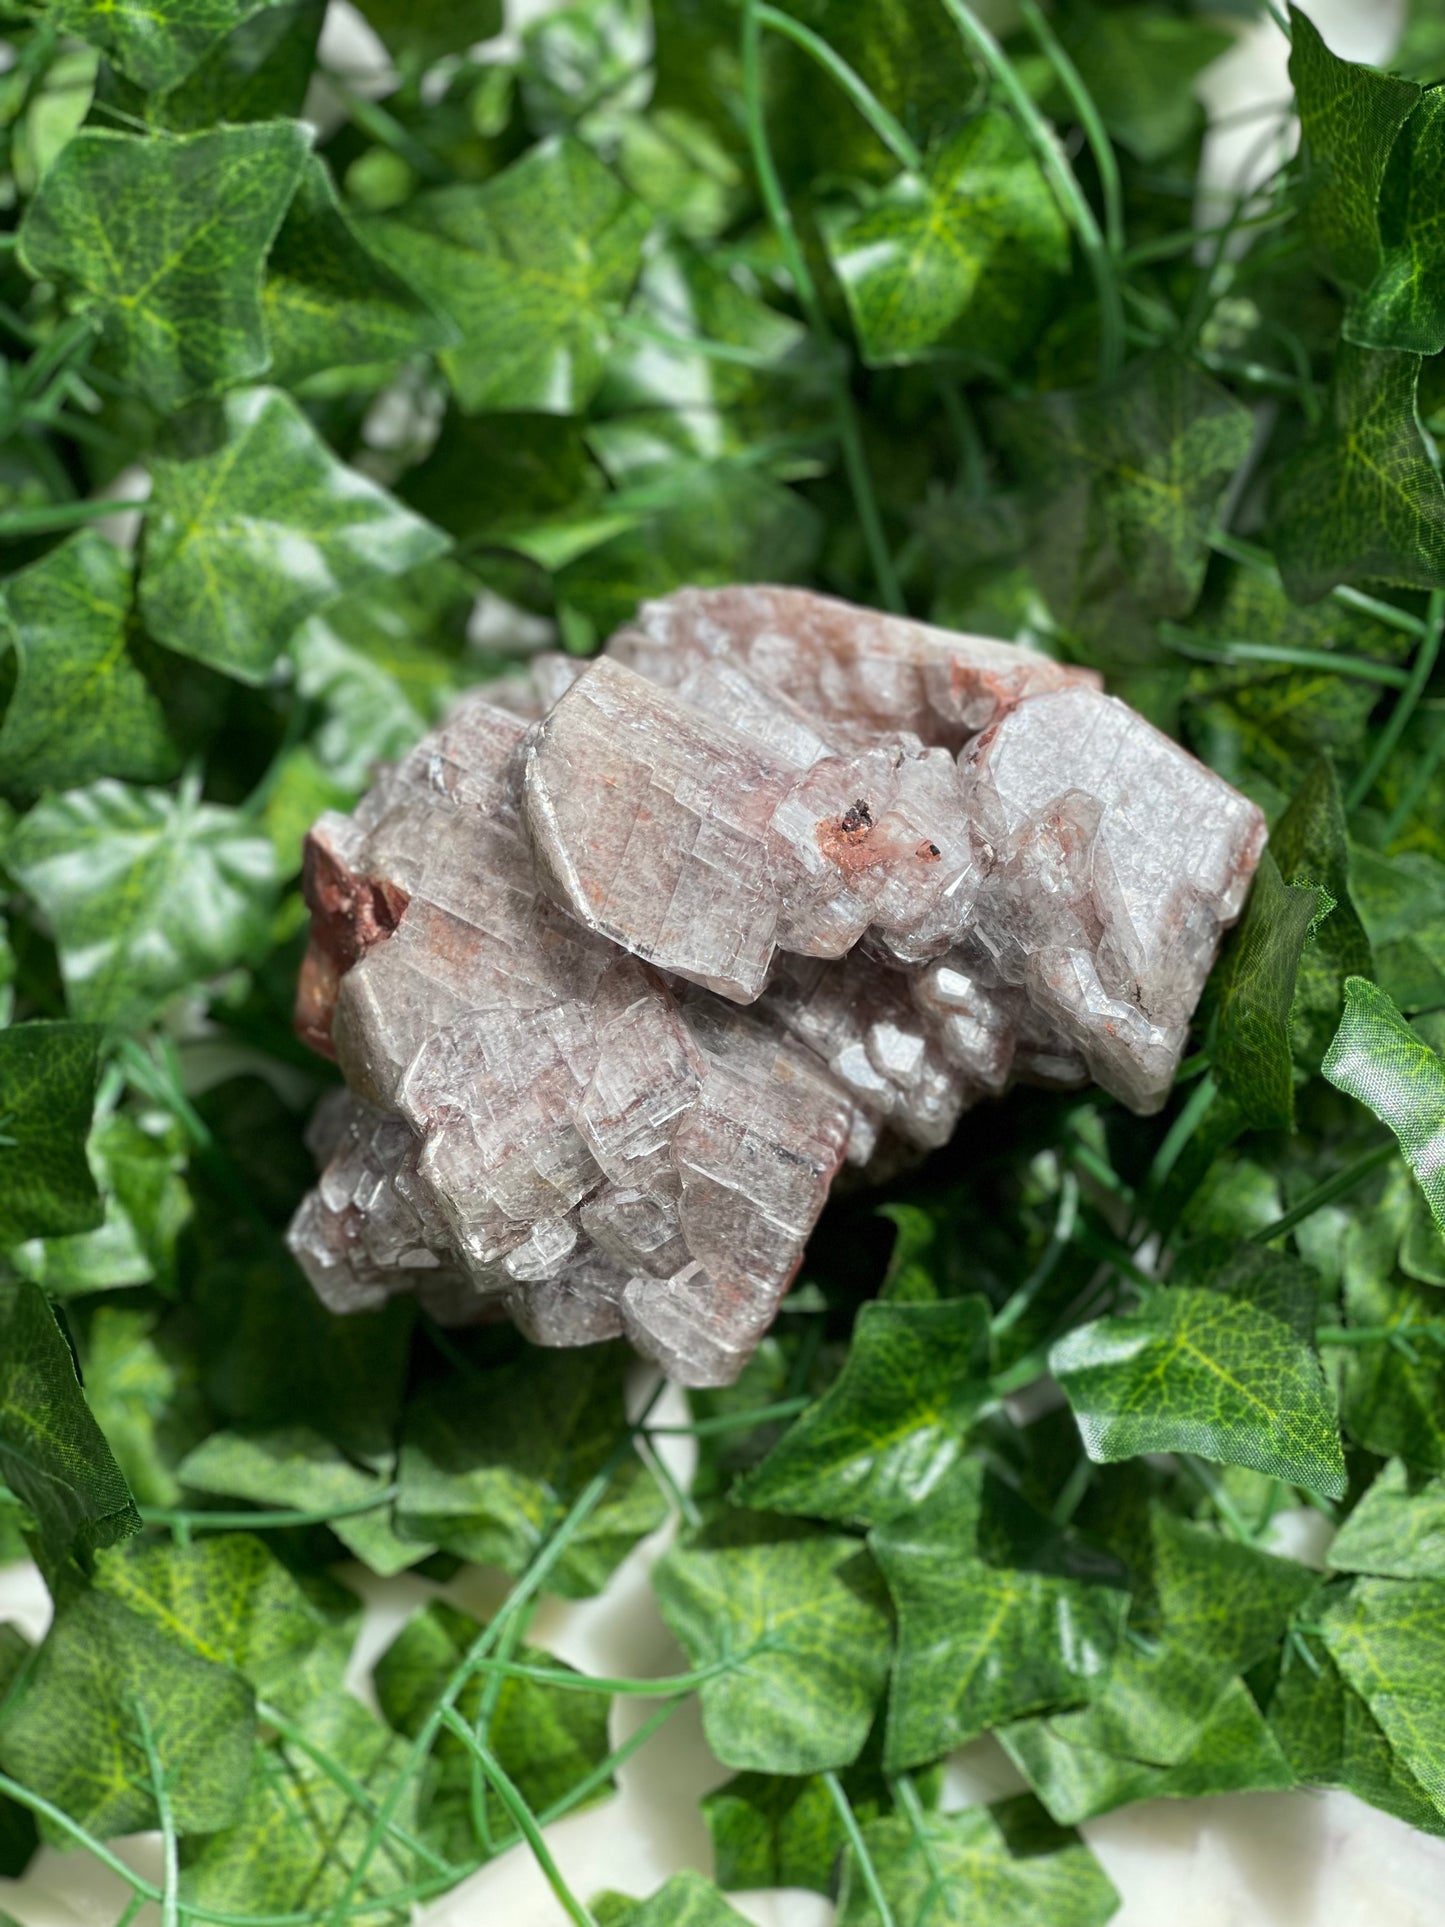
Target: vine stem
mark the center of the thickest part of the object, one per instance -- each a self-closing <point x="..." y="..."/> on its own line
<point x="885" y="125"/>
<point x="512" y="1800"/>
<point x="1325" y="1193"/>
<point x="1095" y="133"/>
<point x="170" y="1849"/>
<point x="850" y="435"/>
<point x="1071" y="196"/>
<point x="1420" y="672"/>
<point x="859" y="1845"/>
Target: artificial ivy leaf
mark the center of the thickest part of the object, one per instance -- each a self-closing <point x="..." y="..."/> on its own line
<point x="1404" y="306"/>
<point x="421" y="31"/>
<point x="256" y="526"/>
<point x="328" y="301"/>
<point x="1362" y="498"/>
<point x="138" y="1172"/>
<point x="1008" y="1865"/>
<point x="998" y="1616"/>
<point x="146" y="892"/>
<point x="798" y="1615"/>
<point x="1349" y="118"/>
<point x="142" y="1389"/>
<point x="384" y="663"/>
<point x="891" y="1426"/>
<point x="1310" y="845"/>
<point x="1402" y="904"/>
<point x="300" y="1833"/>
<point x="1257" y="979"/>
<point x="295" y="1466"/>
<point x="533" y="266"/>
<point x="774" y="1830"/>
<point x="82" y="706"/>
<point x="259" y="71"/>
<point x="1392" y="1395"/>
<point x="1229" y="1373"/>
<point x="968" y="254"/>
<point x="548" y="1739"/>
<point x="489" y="1466"/>
<point x="19" y="1836"/>
<point x="101" y="1679"/>
<point x="1138" y="66"/>
<point x="1387" y="1636"/>
<point x="687" y="1900"/>
<point x="507" y="481"/>
<point x="156" y="42"/>
<point x="1378" y="1059"/>
<point x="1130" y="477"/>
<point x="53" y="1455"/>
<point x="48" y="1076"/>
<point x="1397" y="1531"/>
<point x="179" y="298"/>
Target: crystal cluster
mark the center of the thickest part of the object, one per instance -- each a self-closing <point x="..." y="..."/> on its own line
<point x="627" y="957"/>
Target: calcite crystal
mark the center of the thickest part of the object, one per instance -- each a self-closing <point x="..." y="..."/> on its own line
<point x="626" y="958"/>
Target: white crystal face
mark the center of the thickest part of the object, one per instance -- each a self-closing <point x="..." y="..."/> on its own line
<point x="533" y="940"/>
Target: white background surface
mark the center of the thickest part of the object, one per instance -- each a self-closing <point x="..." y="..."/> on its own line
<point x="1256" y="1860"/>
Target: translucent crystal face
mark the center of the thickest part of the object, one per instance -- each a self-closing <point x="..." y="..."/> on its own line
<point x="534" y="938"/>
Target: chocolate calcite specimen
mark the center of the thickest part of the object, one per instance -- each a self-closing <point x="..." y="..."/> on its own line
<point x="626" y="958"/>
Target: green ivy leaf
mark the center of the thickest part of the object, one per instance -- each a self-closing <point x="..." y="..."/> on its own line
<point x="1228" y="1372"/>
<point x="774" y="1830"/>
<point x="259" y="71"/>
<point x="533" y="266"/>
<point x="687" y="1900"/>
<point x="998" y="1616"/>
<point x="1253" y="1061"/>
<point x="328" y="301"/>
<point x="82" y="706"/>
<point x="295" y="1466"/>
<point x="1378" y="1059"/>
<point x="548" y="1739"/>
<point x="180" y="298"/>
<point x="256" y="527"/>
<point x="966" y="255"/>
<point x="1392" y="1397"/>
<point x="893" y="1423"/>
<point x="75" y="1734"/>
<point x="1362" y="498"/>
<point x="1397" y="1531"/>
<point x="1404" y="306"/>
<point x="1349" y="118"/>
<point x="797" y="1619"/>
<point x="53" y="1455"/>
<point x="138" y="1172"/>
<point x="1138" y="67"/>
<point x="146" y="892"/>
<point x="1310" y="845"/>
<point x="1008" y="1865"/>
<point x="489" y="1466"/>
<point x="48" y="1076"/>
<point x="142" y="1389"/>
<point x="156" y="42"/>
<point x="1402" y="905"/>
<point x="1387" y="1636"/>
<point x="19" y="1836"/>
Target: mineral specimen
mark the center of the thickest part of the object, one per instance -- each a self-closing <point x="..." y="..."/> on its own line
<point x="532" y="942"/>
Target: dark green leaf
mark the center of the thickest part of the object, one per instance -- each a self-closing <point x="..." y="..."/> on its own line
<point x="891" y="1426"/>
<point x="260" y="71"/>
<point x="53" y="1455"/>
<point x="1404" y="306"/>
<point x="47" y="1093"/>
<point x="1007" y="1865"/>
<point x="328" y="301"/>
<point x="76" y="1732"/>
<point x="490" y="1465"/>
<point x="1231" y="1375"/>
<point x="156" y="42"/>
<point x="1387" y="1636"/>
<point x="1397" y="1531"/>
<point x="1138" y="66"/>
<point x="82" y="706"/>
<point x="1362" y="498"/>
<point x="1349" y="118"/>
<point x="797" y="1621"/>
<point x="1377" y="1058"/>
<point x="998" y="1616"/>
<point x="1309" y="844"/>
<point x="687" y="1900"/>
<point x="771" y="1830"/>
<point x="1402" y="904"/>
<point x="1257" y="980"/>
<point x="257" y="526"/>
<point x="179" y="298"/>
<point x="966" y="255"/>
<point x="146" y="1206"/>
<point x="146" y="892"/>
<point x="533" y="267"/>
<point x="141" y="1387"/>
<point x="1392" y="1395"/>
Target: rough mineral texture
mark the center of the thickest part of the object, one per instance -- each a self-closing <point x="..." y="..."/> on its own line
<point x="626" y="958"/>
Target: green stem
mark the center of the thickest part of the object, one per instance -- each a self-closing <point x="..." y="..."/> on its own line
<point x="158" y="1515"/>
<point x="1209" y="1485"/>
<point x="1254" y="557"/>
<point x="649" y="1689"/>
<point x="859" y="1845"/>
<point x="850" y="435"/>
<point x="1420" y="672"/>
<point x="1433" y="1330"/>
<point x="512" y="1800"/>
<point x="731" y="1421"/>
<point x="170" y="1850"/>
<point x="386" y="130"/>
<point x="1326" y="1193"/>
<point x="1421" y="778"/>
<point x="884" y="124"/>
<point x="1361" y="668"/>
<point x="1022" y="1300"/>
<point x="47" y="1809"/>
<point x="1179" y="1133"/>
<point x="726" y="351"/>
<point x="1071" y="196"/>
<point x="1095" y="133"/>
<point x="53" y="517"/>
